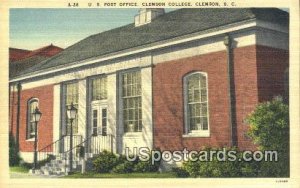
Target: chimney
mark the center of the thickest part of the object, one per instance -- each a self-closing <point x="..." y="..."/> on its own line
<point x="146" y="15"/>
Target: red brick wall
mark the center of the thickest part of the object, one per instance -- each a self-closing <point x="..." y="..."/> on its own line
<point x="251" y="75"/>
<point x="168" y="101"/>
<point x="246" y="93"/>
<point x="45" y="126"/>
<point x="271" y="64"/>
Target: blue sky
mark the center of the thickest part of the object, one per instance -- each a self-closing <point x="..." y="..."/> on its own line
<point x="34" y="28"/>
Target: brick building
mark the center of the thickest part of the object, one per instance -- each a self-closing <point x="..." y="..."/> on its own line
<point x="20" y="59"/>
<point x="183" y="79"/>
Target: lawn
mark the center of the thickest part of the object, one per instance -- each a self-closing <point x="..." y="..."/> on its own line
<point x="129" y="175"/>
<point x="19" y="169"/>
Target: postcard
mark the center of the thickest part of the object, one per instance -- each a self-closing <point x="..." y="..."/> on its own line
<point x="150" y="93"/>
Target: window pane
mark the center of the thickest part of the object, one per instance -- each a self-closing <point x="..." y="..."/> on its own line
<point x="131" y="96"/>
<point x="99" y="88"/>
<point x="31" y="123"/>
<point x="204" y="123"/>
<point x="203" y="81"/>
<point x="203" y="95"/>
<point x="95" y="122"/>
<point x="196" y="94"/>
<point x="203" y="110"/>
<point x="104" y="121"/>
<point x="71" y="96"/>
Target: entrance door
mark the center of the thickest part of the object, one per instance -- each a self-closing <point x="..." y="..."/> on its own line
<point x="100" y="140"/>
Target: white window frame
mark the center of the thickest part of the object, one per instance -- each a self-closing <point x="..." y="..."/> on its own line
<point x="64" y="108"/>
<point x="99" y="106"/>
<point x="120" y="101"/>
<point x="29" y="118"/>
<point x="91" y="79"/>
<point x="194" y="133"/>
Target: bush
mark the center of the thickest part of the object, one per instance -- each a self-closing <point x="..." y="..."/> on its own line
<point x="105" y="162"/>
<point x="146" y="166"/>
<point x="109" y="162"/>
<point x="269" y="128"/>
<point x="26" y="165"/>
<point x="180" y="172"/>
<point x="215" y="168"/>
<point x="125" y="167"/>
<point x="14" y="157"/>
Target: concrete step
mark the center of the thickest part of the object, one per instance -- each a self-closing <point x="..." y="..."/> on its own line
<point x="59" y="167"/>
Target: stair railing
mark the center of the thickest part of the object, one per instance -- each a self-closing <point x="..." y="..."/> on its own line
<point x="82" y="147"/>
<point x="53" y="150"/>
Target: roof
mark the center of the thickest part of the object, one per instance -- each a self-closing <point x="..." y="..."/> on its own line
<point x="18" y="66"/>
<point x="25" y="59"/>
<point x="17" y="54"/>
<point x="46" y="51"/>
<point x="173" y="24"/>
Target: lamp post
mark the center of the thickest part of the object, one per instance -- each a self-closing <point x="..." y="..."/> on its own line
<point x="71" y="113"/>
<point x="36" y="115"/>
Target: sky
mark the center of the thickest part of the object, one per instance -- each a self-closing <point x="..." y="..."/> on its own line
<point x="34" y="28"/>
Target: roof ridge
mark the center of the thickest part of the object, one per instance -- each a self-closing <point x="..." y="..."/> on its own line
<point x="170" y="25"/>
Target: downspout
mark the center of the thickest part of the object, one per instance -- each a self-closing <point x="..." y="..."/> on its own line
<point x="19" y="88"/>
<point x="231" y="91"/>
<point x="152" y="106"/>
<point x="11" y="106"/>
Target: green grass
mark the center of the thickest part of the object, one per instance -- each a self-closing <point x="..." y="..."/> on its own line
<point x="128" y="175"/>
<point x="19" y="169"/>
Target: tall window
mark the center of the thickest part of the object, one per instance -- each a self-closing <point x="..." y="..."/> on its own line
<point x="32" y="104"/>
<point x="99" y="89"/>
<point x="132" y="101"/>
<point x="71" y="96"/>
<point x="196" y="110"/>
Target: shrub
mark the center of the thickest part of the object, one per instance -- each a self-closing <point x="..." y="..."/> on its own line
<point x="269" y="128"/>
<point x="47" y="160"/>
<point x="26" y="165"/>
<point x="180" y="172"/>
<point x="105" y="162"/>
<point x="14" y="157"/>
<point x="215" y="168"/>
<point x="125" y="167"/>
<point x="192" y="168"/>
<point x="146" y="166"/>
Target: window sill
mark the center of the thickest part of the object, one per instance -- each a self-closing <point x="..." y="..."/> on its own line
<point x="30" y="140"/>
<point x="133" y="134"/>
<point x="196" y="134"/>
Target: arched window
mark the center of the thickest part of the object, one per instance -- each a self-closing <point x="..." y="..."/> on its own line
<point x="196" y="104"/>
<point x="31" y="105"/>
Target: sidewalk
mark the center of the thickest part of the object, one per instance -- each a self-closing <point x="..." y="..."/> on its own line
<point x="20" y="175"/>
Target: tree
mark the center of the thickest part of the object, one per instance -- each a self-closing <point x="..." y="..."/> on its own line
<point x="14" y="157"/>
<point x="269" y="129"/>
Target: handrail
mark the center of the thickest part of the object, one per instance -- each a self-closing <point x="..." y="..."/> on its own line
<point x="47" y="153"/>
<point x="59" y="150"/>
<point x="84" y="141"/>
<point x="52" y="143"/>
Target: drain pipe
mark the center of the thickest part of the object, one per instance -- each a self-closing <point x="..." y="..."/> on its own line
<point x="231" y="91"/>
<point x="19" y="88"/>
<point x="11" y="107"/>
